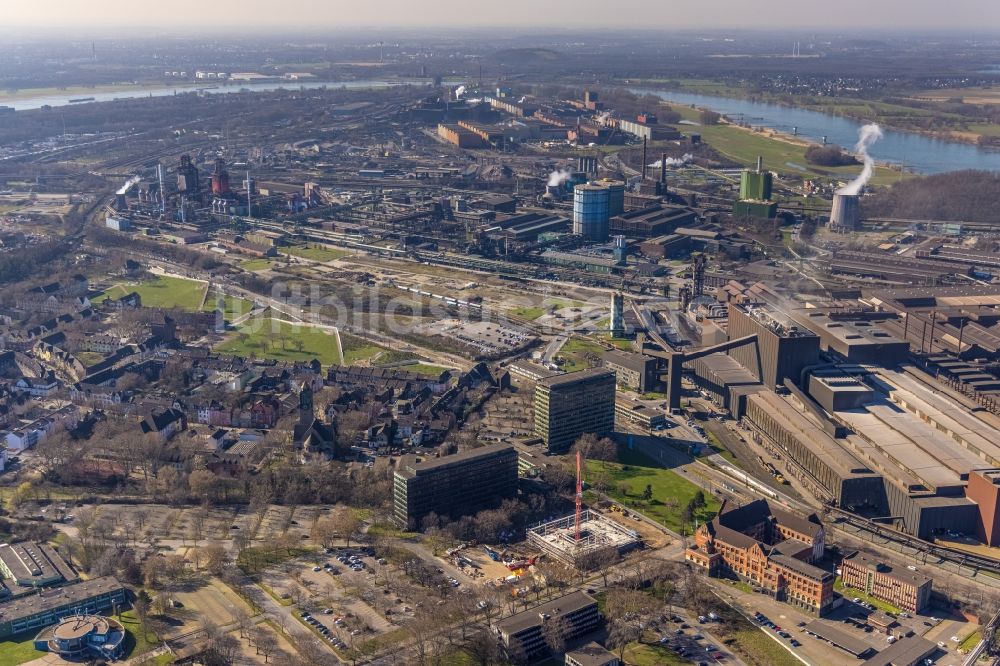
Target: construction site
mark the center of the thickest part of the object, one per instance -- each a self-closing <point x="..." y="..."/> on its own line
<point x="575" y="539"/>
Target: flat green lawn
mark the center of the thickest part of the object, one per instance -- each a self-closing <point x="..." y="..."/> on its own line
<point x="850" y="593"/>
<point x="162" y="292"/>
<point x="135" y="642"/>
<point x="358" y="349"/>
<point x="643" y="654"/>
<point x="757" y="649"/>
<point x="232" y="307"/>
<point x="671" y="492"/>
<point x="424" y="369"/>
<point x="254" y="265"/>
<point x="576" y="352"/>
<point x="971" y="641"/>
<point x="269" y="338"/>
<point x="19" y="649"/>
<point x="315" y="252"/>
<point x="89" y="358"/>
<point x="528" y="312"/>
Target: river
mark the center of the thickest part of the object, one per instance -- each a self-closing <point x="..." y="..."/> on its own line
<point x="915" y="152"/>
<point x="63" y="99"/>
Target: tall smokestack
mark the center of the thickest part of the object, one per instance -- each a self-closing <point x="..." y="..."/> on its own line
<point x="644" y="158"/>
<point x="663" y="168"/>
<point x="760" y="163"/>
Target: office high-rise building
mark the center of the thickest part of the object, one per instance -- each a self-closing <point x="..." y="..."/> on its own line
<point x="571" y="404"/>
<point x="454" y="485"/>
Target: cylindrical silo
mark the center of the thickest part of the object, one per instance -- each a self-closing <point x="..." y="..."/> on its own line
<point x="846" y="212"/>
<point x="616" y="196"/>
<point x="590" y="212"/>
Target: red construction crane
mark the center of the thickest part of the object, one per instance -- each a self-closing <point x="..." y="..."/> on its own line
<point x="579" y="494"/>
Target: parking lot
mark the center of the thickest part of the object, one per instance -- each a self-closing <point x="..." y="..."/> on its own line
<point x="691" y="639"/>
<point x="786" y="624"/>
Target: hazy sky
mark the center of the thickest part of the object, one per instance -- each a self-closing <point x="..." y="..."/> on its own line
<point x="978" y="15"/>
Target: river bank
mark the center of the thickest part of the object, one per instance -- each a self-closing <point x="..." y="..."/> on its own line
<point x="912" y="151"/>
<point x="840" y="109"/>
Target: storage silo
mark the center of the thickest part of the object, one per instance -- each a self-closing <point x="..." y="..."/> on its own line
<point x="616" y="196"/>
<point x="846" y="212"/>
<point x="590" y="212"/>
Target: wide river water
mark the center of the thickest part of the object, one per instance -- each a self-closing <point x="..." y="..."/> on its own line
<point x="914" y="151"/>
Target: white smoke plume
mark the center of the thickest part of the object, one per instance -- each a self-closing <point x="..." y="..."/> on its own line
<point x="521" y="101"/>
<point x="867" y="136"/>
<point x="558" y="177"/>
<point x="674" y="161"/>
<point x="459" y="91"/>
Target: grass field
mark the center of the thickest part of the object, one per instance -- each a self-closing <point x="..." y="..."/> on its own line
<point x="671" y="492"/>
<point x="89" y="358"/>
<point x="254" y="265"/>
<point x="135" y="642"/>
<point x="358" y="349"/>
<point x="528" y="312"/>
<point x="424" y="369"/>
<point x="576" y="352"/>
<point x="315" y="252"/>
<point x="395" y="356"/>
<point x="270" y="338"/>
<point x="643" y="654"/>
<point x="757" y="649"/>
<point x="743" y="146"/>
<point x="233" y="307"/>
<point x="162" y="292"/>
<point x="19" y="649"/>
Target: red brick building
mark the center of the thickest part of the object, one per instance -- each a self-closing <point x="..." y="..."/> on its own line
<point x="771" y="548"/>
<point x="906" y="589"/>
<point x="984" y="489"/>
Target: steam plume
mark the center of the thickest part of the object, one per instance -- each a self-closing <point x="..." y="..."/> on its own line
<point x="867" y="136"/>
<point x="459" y="91"/>
<point x="558" y="177"/>
<point x="674" y="161"/>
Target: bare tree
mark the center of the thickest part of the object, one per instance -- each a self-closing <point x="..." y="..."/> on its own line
<point x="556" y="631"/>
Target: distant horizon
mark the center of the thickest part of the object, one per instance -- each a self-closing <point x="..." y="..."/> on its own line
<point x="310" y="16"/>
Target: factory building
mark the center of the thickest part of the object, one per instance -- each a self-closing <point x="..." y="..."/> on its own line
<point x="894" y="268"/>
<point x="513" y="108"/>
<point x="906" y="589"/>
<point x="654" y="221"/>
<point x="663" y="247"/>
<point x="823" y="466"/>
<point x="569" y="405"/>
<point x="453" y="485"/>
<point x="783" y="349"/>
<point x="490" y="134"/>
<point x="635" y="371"/>
<point x="220" y="178"/>
<point x="755" y="193"/>
<point x="649" y="132"/>
<point x="527" y="227"/>
<point x="187" y="178"/>
<point x="851" y="334"/>
<point x="963" y="321"/>
<point x="459" y="136"/>
<point x="726" y="381"/>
